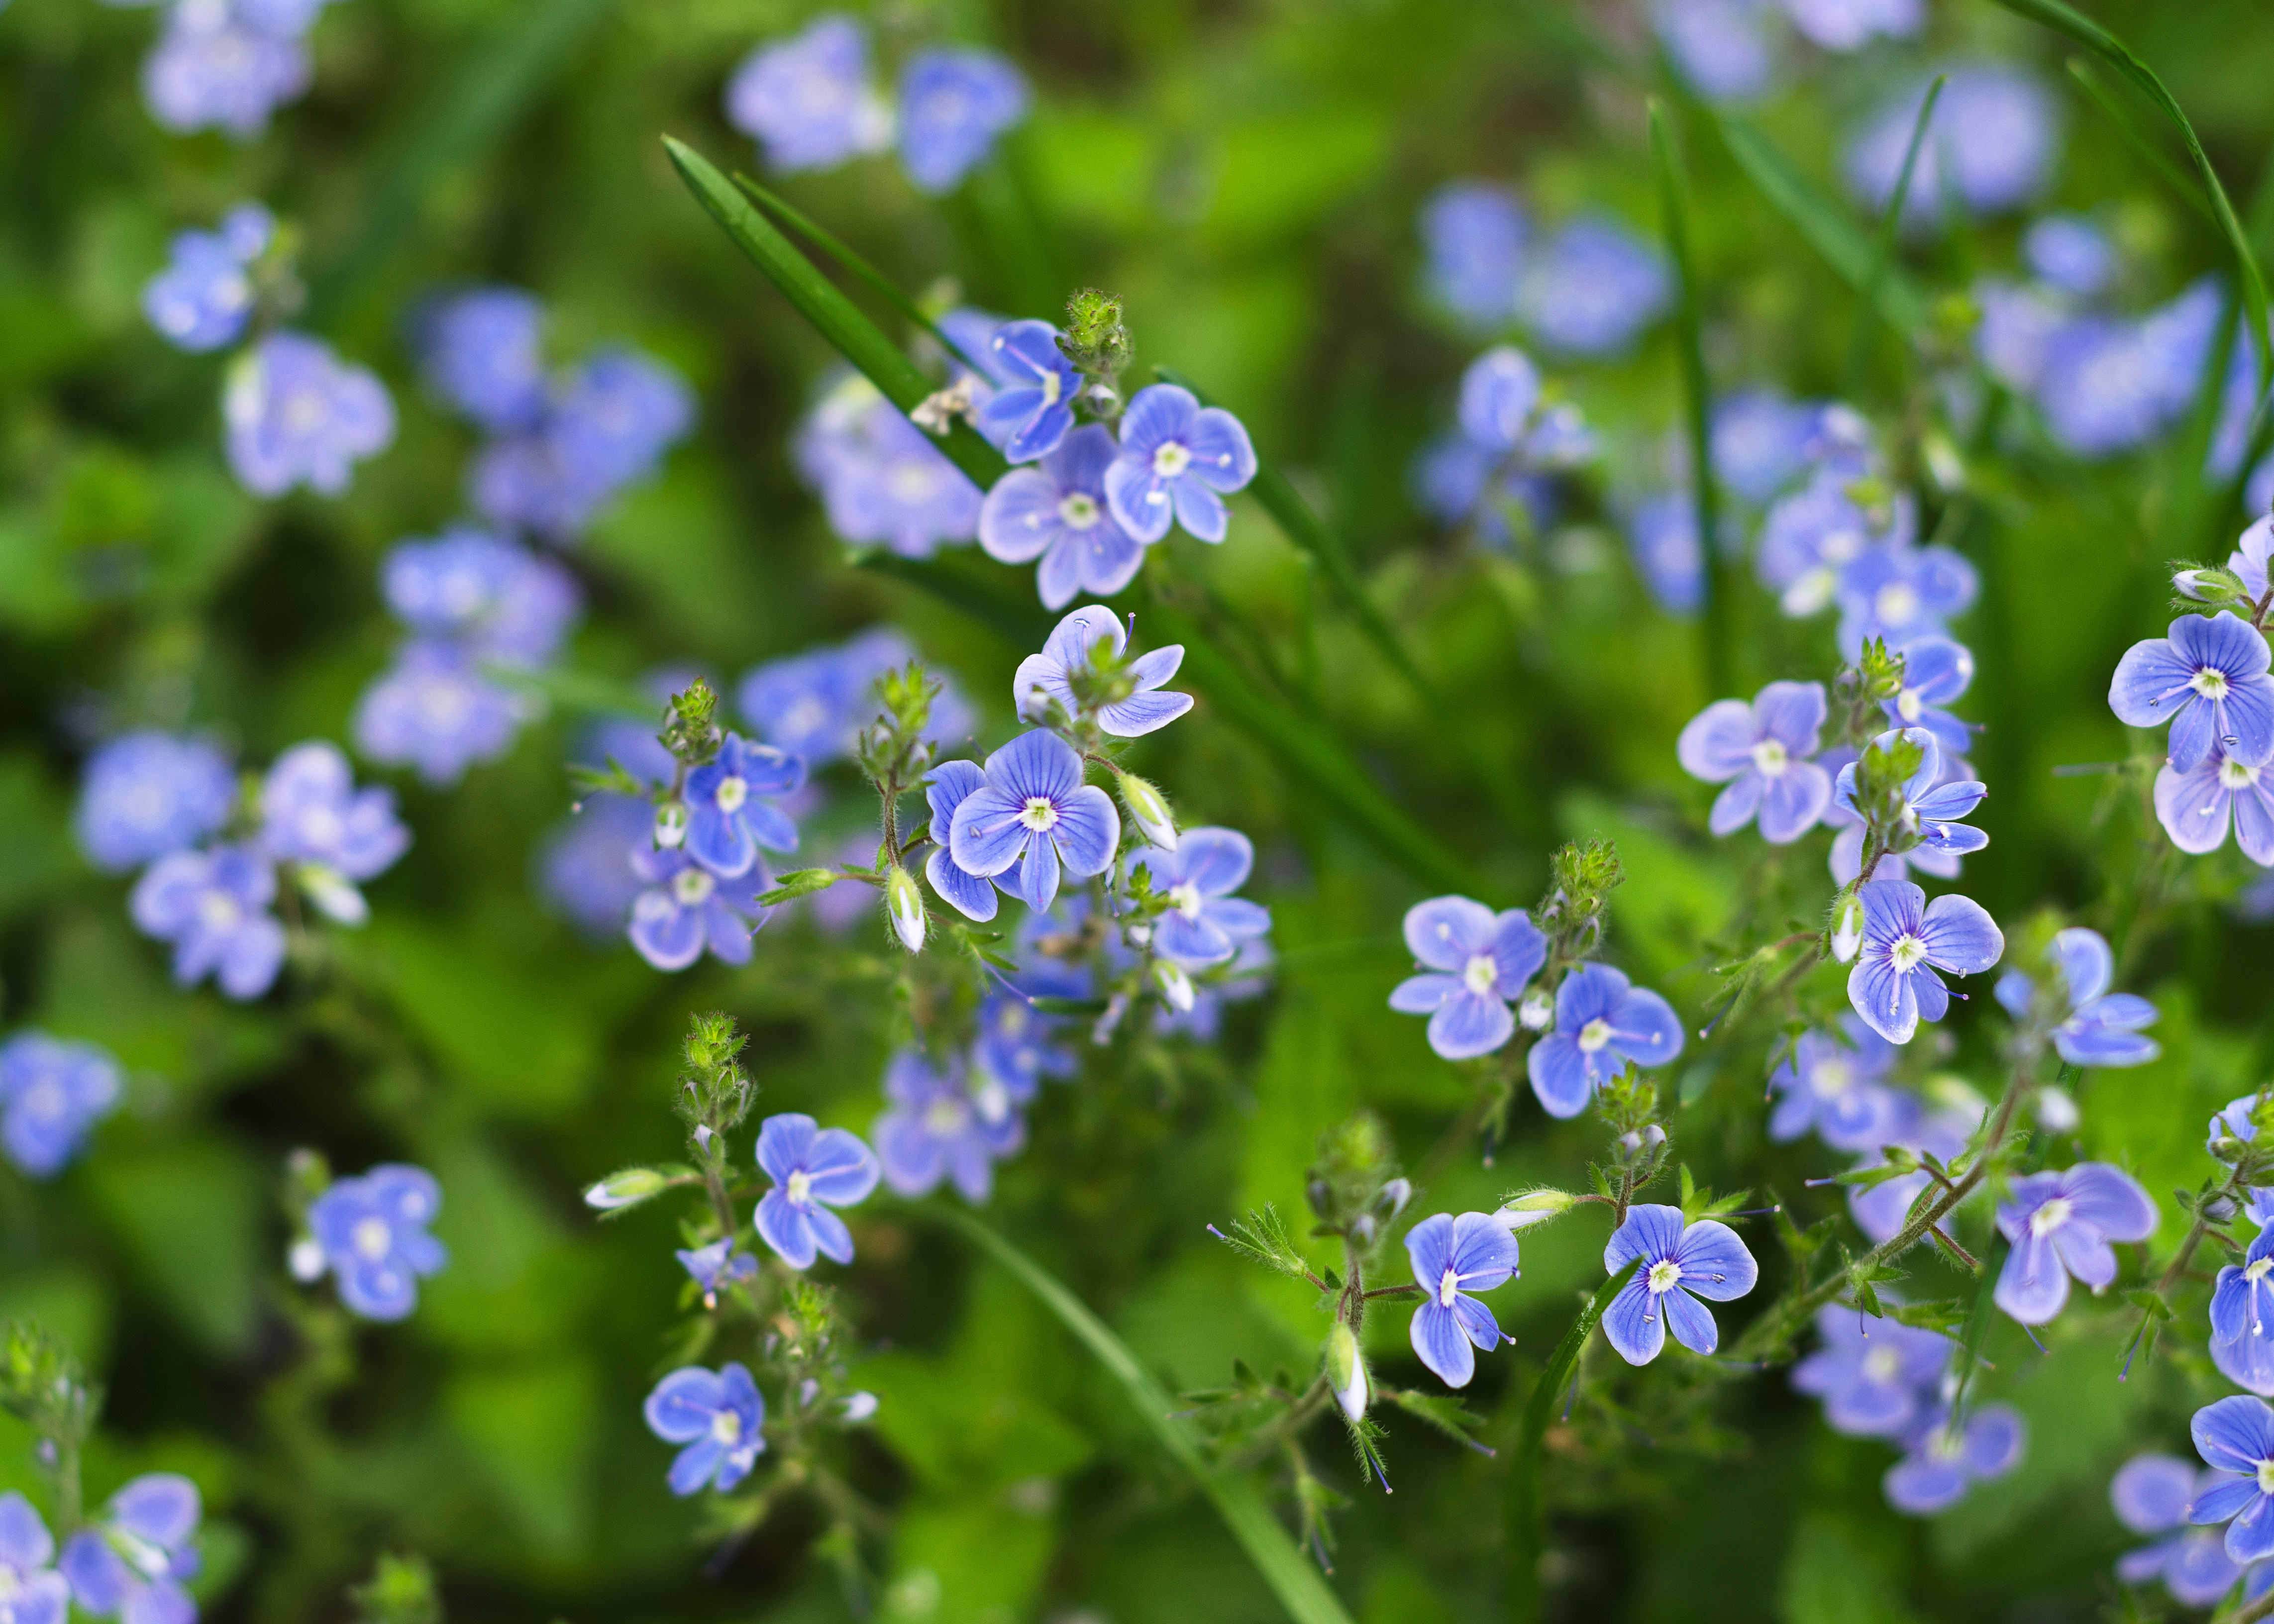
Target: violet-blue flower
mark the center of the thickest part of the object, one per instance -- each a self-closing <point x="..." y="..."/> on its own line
<point x="1876" y="1377"/>
<point x="971" y="895"/>
<point x="882" y="481"/>
<point x="2151" y="1494"/>
<point x="1178" y="459"/>
<point x="1459" y="482"/>
<point x="204" y="297"/>
<point x="1661" y="532"/>
<point x="1208" y="924"/>
<point x="1947" y="1458"/>
<point x="1044" y="680"/>
<point x="500" y="602"/>
<point x="1473" y="235"/>
<point x="953" y="105"/>
<point x="213" y="905"/>
<point x="1906" y="940"/>
<point x="808" y="101"/>
<point x="2196" y="807"/>
<point x="1680" y="1264"/>
<point x="607" y="423"/>
<point x="1761" y="441"/>
<point x="938" y="1127"/>
<point x="148" y="794"/>
<point x="2107" y="384"/>
<point x="1032" y="408"/>
<point x="34" y="1592"/>
<point x="2070" y="252"/>
<point x="719" y="1416"/>
<point x="813" y="1169"/>
<point x="1033" y="809"/>
<point x="1812" y="535"/>
<point x="1835" y="1083"/>
<point x="1722" y="47"/>
<point x="215" y="69"/>
<point x="52" y="1092"/>
<point x="2060" y="1224"/>
<point x="1593" y="288"/>
<point x="1602" y="1022"/>
<point x="1018" y="1046"/>
<point x="1500" y="390"/>
<point x="482" y="351"/>
<point x="2236" y="1434"/>
<point x="312" y="812"/>
<point x="686" y="908"/>
<point x="1850" y="25"/>
<point x="135" y="1560"/>
<point x="1880" y="1209"/>
<point x="1453" y="1258"/>
<point x="433" y="711"/>
<point x="814" y="704"/>
<point x="729" y="810"/>
<point x="1936" y="671"/>
<point x="297" y="415"/>
<point x="1474" y="964"/>
<point x="372" y="1230"/>
<point x="1989" y="145"/>
<point x="2102" y="1028"/>
<point x="717" y="1266"/>
<point x="1900" y="594"/>
<point x="1762" y="751"/>
<point x="2207" y="678"/>
<point x="1057" y="512"/>
<point x="1933" y="807"/>
<point x="2241" y="1339"/>
<point x="1940" y="861"/>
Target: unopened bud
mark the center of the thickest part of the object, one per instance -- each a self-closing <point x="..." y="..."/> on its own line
<point x="306" y="1261"/>
<point x="1536" y="1011"/>
<point x="1848" y="930"/>
<point x="332" y="893"/>
<point x="627" y="1188"/>
<point x="1174" y="986"/>
<point x="1148" y="809"/>
<point x="2057" y="1111"/>
<point x="1346" y="1371"/>
<point x="670" y="825"/>
<point x="2189" y="584"/>
<point x="859" y="1407"/>
<point x="1396" y="1194"/>
<point x="2220" y="1209"/>
<point x="2226" y="1147"/>
<point x="905" y="904"/>
<point x="1535" y="1206"/>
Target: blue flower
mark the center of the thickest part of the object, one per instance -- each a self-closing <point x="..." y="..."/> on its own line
<point x="1474" y="234"/>
<point x="1813" y="535"/>
<point x="483" y="352"/>
<point x="953" y="103"/>
<point x="1899" y="594"/>
<point x="2208" y="679"/>
<point x="1033" y="809"/>
<point x="1602" y="1020"/>
<point x="1043" y="685"/>
<point x="882" y="479"/>
<point x="501" y="603"/>
<point x="2151" y="1494"/>
<point x="2242" y="1340"/>
<point x="372" y="1230"/>
<point x="297" y="415"/>
<point x="2196" y="807"/>
<point x="134" y="1560"/>
<point x="1661" y="532"/>
<point x="215" y="69"/>
<point x="1592" y="289"/>
<point x="1057" y="512"/>
<point x="1679" y="1265"/>
<point x="2102" y="1028"/>
<point x="1936" y="671"/>
<point x="1836" y="1085"/>
<point x="1880" y="1210"/>
<point x="939" y="1128"/>
<point x="1906" y="939"/>
<point x="1457" y="481"/>
<point x="1018" y="1046"/>
<point x="720" y="1416"/>
<point x="52" y="1091"/>
<point x="1762" y="442"/>
<point x="2107" y="384"/>
<point x="945" y="789"/>
<point x="213" y="905"/>
<point x="1932" y="806"/>
<point x="1475" y="963"/>
<point x="1762" y="751"/>
<point x="1850" y="25"/>
<point x="1032" y="409"/>
<point x="2069" y="253"/>
<point x="1178" y="458"/>
<point x="717" y="1266"/>
<point x="2234" y="1120"/>
<point x="1207" y="922"/>
<point x="312" y="812"/>
<point x="150" y="793"/>
<point x="814" y="704"/>
<point x="2060" y="1224"/>
<point x="807" y="101"/>
<point x="1989" y="147"/>
<point x="686" y="908"/>
<point x="728" y="817"/>
<point x="204" y="297"/>
<point x="606" y="424"/>
<point x="1947" y="1459"/>
<point x="1722" y="47"/>
<point x="813" y="1169"/>
<point x="2236" y="1434"/>
<point x="36" y="1594"/>
<point x="1499" y="392"/>
<point x="1876" y="1377"/>
<point x="1453" y="1258"/>
<point x="433" y="711"/>
<point x="2019" y="327"/>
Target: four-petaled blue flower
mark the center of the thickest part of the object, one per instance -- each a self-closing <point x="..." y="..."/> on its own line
<point x="1057" y="512"/>
<point x="311" y="814"/>
<point x="2060" y="1224"/>
<point x="204" y="296"/>
<point x="2151" y="1494"/>
<point x="432" y="710"/>
<point x="686" y="908"/>
<point x="497" y="601"/>
<point x="482" y="351"/>
<point x="807" y="100"/>
<point x="939" y="1127"/>
<point x="718" y="1414"/>
<point x="717" y="1266"/>
<point x="1680" y="1264"/>
<point x="1208" y="924"/>
<point x="1762" y="751"/>
<point x="1602" y="1020"/>
<point x="1475" y="963"/>
<point x="31" y="1591"/>
<point x="52" y="1091"/>
<point x="813" y="1169"/>
<point x="1031" y="808"/>
<point x="372" y="1230"/>
<point x="150" y="793"/>
<point x="2236" y="1434"/>
<point x="953" y="103"/>
<point x="1178" y="459"/>
<point x="134" y="1560"/>
<point x="1876" y="1377"/>
<point x="1593" y="288"/>
<point x="1946" y="1458"/>
<point x="1452" y="1259"/>
<point x="2208" y="679"/>
<point x="2196" y="807"/>
<point x="727" y="816"/>
<point x="1932" y="806"/>
<point x="1936" y="671"/>
<point x="2102" y="1027"/>
<point x="213" y="905"/>
<point x="1032" y="408"/>
<point x="1834" y="1083"/>
<point x="297" y="415"/>
<point x="1906" y="939"/>
<point x="1045" y="679"/>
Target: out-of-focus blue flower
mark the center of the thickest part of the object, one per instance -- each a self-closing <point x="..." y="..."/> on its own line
<point x="433" y="711"/>
<point x="36" y="1593"/>
<point x="686" y="908"/>
<point x="1936" y="671"/>
<point x="1876" y="1377"/>
<point x="606" y="424"/>
<point x="882" y="480"/>
<point x="1474" y="964"/>
<point x="2207" y="678"/>
<point x="313" y="815"/>
<point x="1018" y="1046"/>
<point x="1850" y="25"/>
<point x="2107" y="384"/>
<point x="716" y="1267"/>
<point x="1453" y="1258"/>
<point x="148" y="794"/>
<point x="1880" y="1209"/>
<point x="1946" y="1458"/>
<point x="297" y="415"/>
<point x="204" y="296"/>
<point x="1474" y="234"/>
<point x="814" y="704"/>
<point x="584" y="868"/>
<point x="1178" y="459"/>
<point x="1044" y="681"/>
<point x="1499" y="391"/>
<point x="1208" y="924"/>
<point x="2196" y="807"/>
<point x="1906" y="940"/>
<point x="939" y="1128"/>
<point x="1057" y="512"/>
<point x="213" y="905"/>
<point x="728" y="813"/>
<point x="1814" y="535"/>
<point x="1836" y="1085"/>
<point x="372" y="1230"/>
<point x="1592" y="289"/>
<point x="2102" y="1027"/>
<point x="501" y="603"/>
<point x="1761" y="441"/>
<point x="1933" y="805"/>
<point x="1680" y="1264"/>
<point x="719" y="1416"/>
<point x="814" y="1168"/>
<point x="215" y="69"/>
<point x="2060" y="1224"/>
<point x="1899" y="594"/>
<point x="1449" y="477"/>
<point x="1989" y="148"/>
<point x="1033" y="810"/>
<point x="953" y="103"/>
<point x="1722" y="47"/>
<point x="137" y="1557"/>
<point x="52" y="1091"/>
<point x="2151" y="1494"/>
<point x="2236" y="1435"/>
<point x="1032" y="407"/>
<point x="808" y="101"/>
<point x="483" y="352"/>
<point x="2069" y="253"/>
<point x="1661" y="533"/>
<point x="1602" y="1021"/>
<point x="1762" y="752"/>
<point x="2016" y="333"/>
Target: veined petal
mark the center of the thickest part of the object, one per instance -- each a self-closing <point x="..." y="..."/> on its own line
<point x="1445" y="932"/>
<point x="1088" y="833"/>
<point x="1717" y="743"/>
<point x="2111" y="1200"/>
<point x="2194" y="807"/>
<point x="1792" y="713"/>
<point x="2150" y="683"/>
<point x="1690" y="1321"/>
<point x="1715" y="1262"/>
<point x="2033" y="1286"/>
<point x="1420" y="995"/>
<point x="1736" y="806"/>
<point x="1793" y="801"/>
<point x="987" y="836"/>
<point x="1469" y="1023"/>
<point x="1632" y="1324"/>
<point x="1224" y="457"/>
<point x="1960" y="935"/>
<point x="1200" y="510"/>
<point x="968" y="894"/>
<point x="1073" y="642"/>
<point x="1441" y="1345"/>
<point x="1142" y="713"/>
<point x="1559" y="1074"/>
<point x="1019" y="518"/>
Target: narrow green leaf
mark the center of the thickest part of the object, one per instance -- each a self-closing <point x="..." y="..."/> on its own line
<point x="2066" y="20"/>
<point x="1827" y="225"/>
<point x="2154" y="157"/>
<point x="1883" y="243"/>
<point x="1977" y="1323"/>
<point x="1527" y="1524"/>
<point x="1293" y="1580"/>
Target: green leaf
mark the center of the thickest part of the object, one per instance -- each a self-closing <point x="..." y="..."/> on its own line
<point x="1262" y="1237"/>
<point x="2066" y="20"/>
<point x="1293" y="1579"/>
<point x="1883" y="243"/>
<point x="2154" y="157"/>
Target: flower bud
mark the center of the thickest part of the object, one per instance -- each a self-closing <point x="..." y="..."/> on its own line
<point x="1536" y="1011"/>
<point x="1175" y="986"/>
<point x="905" y="904"/>
<point x="2057" y="1111"/>
<point x="2226" y="1147"/>
<point x="1346" y="1371"/>
<point x="1848" y="930"/>
<point x="670" y="825"/>
<point x="859" y="1407"/>
<point x="1535" y="1206"/>
<point x="306" y="1261"/>
<point x="1148" y="809"/>
<point x="2187" y="583"/>
<point x="332" y="893"/>
<point x="2220" y="1209"/>
<point x="1396" y="1194"/>
<point x="627" y="1188"/>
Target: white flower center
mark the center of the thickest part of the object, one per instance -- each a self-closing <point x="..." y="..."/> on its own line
<point x="1897" y="604"/>
<point x="1906" y="954"/>
<point x="217" y="910"/>
<point x="1078" y="511"/>
<point x="1448" y="1287"/>
<point x="43" y="1101"/>
<point x="1882" y="1364"/>
<point x="1050" y="389"/>
<point x="1833" y="1077"/>
<point x="692" y="887"/>
<point x="2233" y="775"/>
<point x="1770" y="758"/>
<point x="1664" y="1277"/>
<point x="727" y="1426"/>
<point x="732" y="793"/>
<point x="1909" y="704"/>
<point x="2211" y="682"/>
<point x="1480" y="973"/>
<point x="2257" y="1271"/>
<point x="947" y="1115"/>
<point x="910" y="483"/>
<point x="1188" y="898"/>
<point x="1839" y="546"/>
<point x="1593" y="1035"/>
<point x="800" y="1188"/>
<point x="2051" y="1216"/>
<point x="2266" y="1477"/>
<point x="372" y="1238"/>
<point x="1039" y="813"/>
<point x="1171" y="459"/>
<point x="993" y="1102"/>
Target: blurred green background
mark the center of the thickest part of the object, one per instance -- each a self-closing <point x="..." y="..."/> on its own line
<point x="1246" y="174"/>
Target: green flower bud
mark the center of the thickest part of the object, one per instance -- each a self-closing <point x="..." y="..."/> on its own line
<point x="1346" y="1371"/>
<point x="1148" y="809"/>
<point x="627" y="1188"/>
<point x="905" y="904"/>
<point x="1521" y="1211"/>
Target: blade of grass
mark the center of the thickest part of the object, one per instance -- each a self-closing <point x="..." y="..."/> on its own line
<point x="1293" y="1580"/>
<point x="2065" y="19"/>
<point x="2154" y="157"/>
<point x="1697" y="405"/>
<point x="1883" y="246"/>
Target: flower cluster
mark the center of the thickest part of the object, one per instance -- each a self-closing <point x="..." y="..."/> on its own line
<point x="53" y="1091"/>
<point x="228" y="64"/>
<point x="1501" y="463"/>
<point x="1729" y="49"/>
<point x="1587" y="290"/>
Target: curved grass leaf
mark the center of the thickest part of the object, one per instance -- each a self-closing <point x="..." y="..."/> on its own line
<point x="1882" y="243"/>
<point x="2154" y="157"/>
<point x="1293" y="1580"/>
